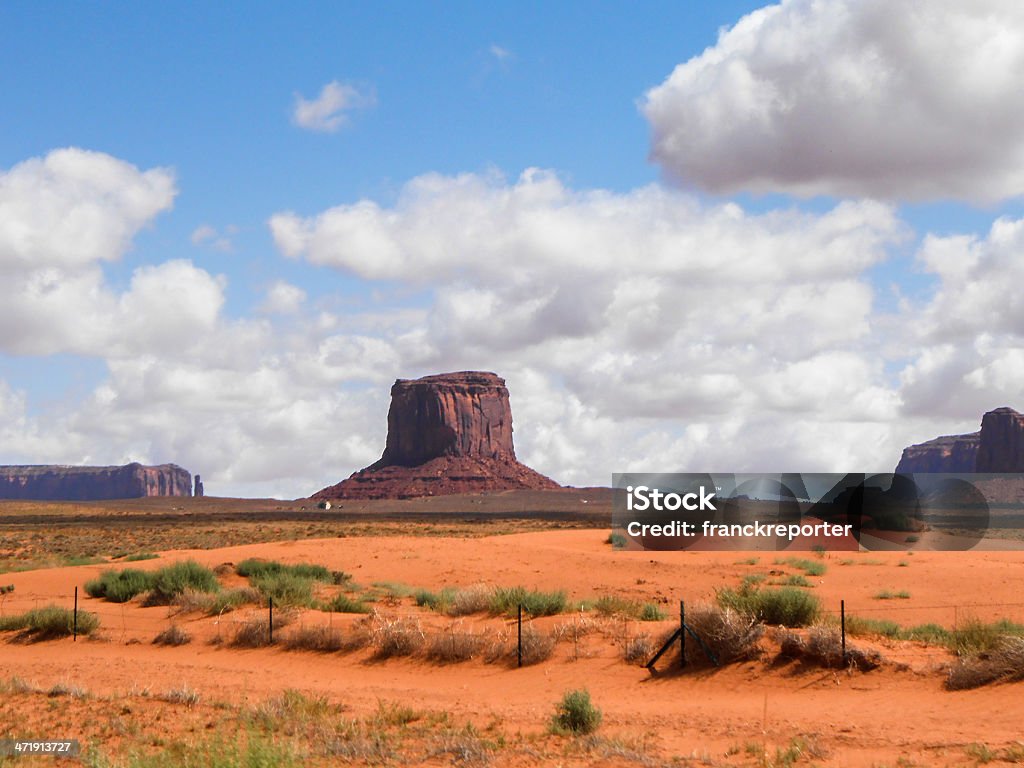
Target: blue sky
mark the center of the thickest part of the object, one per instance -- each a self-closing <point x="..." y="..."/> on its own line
<point x="307" y="266"/>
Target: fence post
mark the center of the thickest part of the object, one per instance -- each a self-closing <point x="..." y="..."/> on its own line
<point x="74" y="630"/>
<point x="270" y="623"/>
<point x="519" y="652"/>
<point x="842" y="625"/>
<point x="682" y="634"/>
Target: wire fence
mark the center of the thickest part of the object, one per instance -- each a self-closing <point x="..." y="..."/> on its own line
<point x="396" y="629"/>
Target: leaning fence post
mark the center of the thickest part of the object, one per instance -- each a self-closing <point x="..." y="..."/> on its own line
<point x="842" y="625"/>
<point x="74" y="629"/>
<point x="270" y="623"/>
<point x="519" y="652"/>
<point x="682" y="634"/>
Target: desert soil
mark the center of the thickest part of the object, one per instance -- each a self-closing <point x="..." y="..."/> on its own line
<point x="743" y="714"/>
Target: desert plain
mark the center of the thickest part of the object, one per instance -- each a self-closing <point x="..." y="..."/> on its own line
<point x="376" y="685"/>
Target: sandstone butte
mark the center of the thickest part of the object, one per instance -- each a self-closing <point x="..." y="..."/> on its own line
<point x="998" y="447"/>
<point x="73" y="483"/>
<point x="447" y="433"/>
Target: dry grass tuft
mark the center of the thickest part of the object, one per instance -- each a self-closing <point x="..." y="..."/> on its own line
<point x="396" y="637"/>
<point x="1005" y="663"/>
<point x="319" y="638"/>
<point x="252" y="633"/>
<point x="730" y="635"/>
<point x="638" y="650"/>
<point x="454" y="646"/>
<point x="173" y="635"/>
<point x="473" y="599"/>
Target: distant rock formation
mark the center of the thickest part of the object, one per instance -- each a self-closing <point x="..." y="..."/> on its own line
<point x="199" y="487"/>
<point x="998" y="447"/>
<point x="447" y="433"/>
<point x="951" y="453"/>
<point x="1002" y="442"/>
<point x="68" y="483"/>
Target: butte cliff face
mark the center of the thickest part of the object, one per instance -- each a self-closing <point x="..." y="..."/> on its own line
<point x="448" y="433"/>
<point x="998" y="447"/>
<point x="951" y="453"/>
<point x="65" y="483"/>
<point x="1002" y="442"/>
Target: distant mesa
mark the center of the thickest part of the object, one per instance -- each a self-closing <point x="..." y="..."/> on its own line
<point x="71" y="483"/>
<point x="998" y="447"/>
<point x="448" y="433"/>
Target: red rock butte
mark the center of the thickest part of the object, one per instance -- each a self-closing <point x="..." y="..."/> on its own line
<point x="75" y="483"/>
<point x="998" y="447"/>
<point x="447" y="433"/>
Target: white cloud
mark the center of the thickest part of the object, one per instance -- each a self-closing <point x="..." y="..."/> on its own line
<point x="637" y="327"/>
<point x="74" y="208"/>
<point x="329" y="111"/>
<point x="283" y="299"/>
<point x="880" y="98"/>
<point x="206" y="235"/>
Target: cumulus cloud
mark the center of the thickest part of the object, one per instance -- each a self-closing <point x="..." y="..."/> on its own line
<point x="283" y="299"/>
<point x="61" y="217"/>
<point x="73" y="208"/>
<point x="879" y="98"/>
<point x="660" y="326"/>
<point x="329" y="111"/>
<point x="208" y="236"/>
<point x="969" y="332"/>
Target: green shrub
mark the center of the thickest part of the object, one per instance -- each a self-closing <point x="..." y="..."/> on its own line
<point x="575" y="714"/>
<point x="120" y="586"/>
<point x="344" y="604"/>
<point x="13" y="623"/>
<point x="810" y="567"/>
<point x="617" y="540"/>
<point x="651" y="612"/>
<point x="974" y="636"/>
<point x="141" y="556"/>
<point x="284" y="588"/>
<point x="435" y="601"/>
<point x="887" y="594"/>
<point x="506" y="600"/>
<point x="787" y="606"/>
<point x="230" y="599"/>
<point x="50" y="622"/>
<point x="254" y="568"/>
<point x="172" y="580"/>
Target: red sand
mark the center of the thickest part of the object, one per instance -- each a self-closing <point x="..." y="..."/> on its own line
<point x="863" y="719"/>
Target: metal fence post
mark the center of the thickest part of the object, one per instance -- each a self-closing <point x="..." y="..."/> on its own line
<point x="74" y="630"/>
<point x="270" y="623"/>
<point x="842" y="625"/>
<point x="682" y="634"/>
<point x="519" y="652"/>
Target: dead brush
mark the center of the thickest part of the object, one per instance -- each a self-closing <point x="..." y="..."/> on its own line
<point x="454" y="645"/>
<point x="321" y="638"/>
<point x="729" y="635"/>
<point x="1003" y="663"/>
<point x="638" y="649"/>
<point x="173" y="635"/>
<point x="473" y="599"/>
<point x="537" y="647"/>
<point x="252" y="633"/>
<point x="575" y="631"/>
<point x="823" y="645"/>
<point x="396" y="636"/>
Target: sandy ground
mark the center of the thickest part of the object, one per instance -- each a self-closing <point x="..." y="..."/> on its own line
<point x="899" y="712"/>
